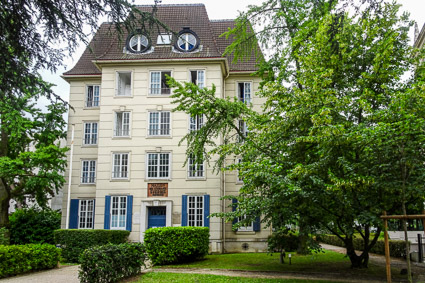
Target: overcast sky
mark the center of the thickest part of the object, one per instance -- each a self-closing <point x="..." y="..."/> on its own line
<point x="217" y="9"/>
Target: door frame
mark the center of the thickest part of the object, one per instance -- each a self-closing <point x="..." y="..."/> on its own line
<point x="144" y="213"/>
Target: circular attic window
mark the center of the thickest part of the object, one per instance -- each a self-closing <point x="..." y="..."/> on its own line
<point x="187" y="41"/>
<point x="138" y="43"/>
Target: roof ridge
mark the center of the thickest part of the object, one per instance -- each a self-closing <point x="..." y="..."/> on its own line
<point x="172" y="5"/>
<point x="223" y="20"/>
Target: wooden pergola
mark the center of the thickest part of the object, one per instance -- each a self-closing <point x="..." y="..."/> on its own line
<point x="386" y="217"/>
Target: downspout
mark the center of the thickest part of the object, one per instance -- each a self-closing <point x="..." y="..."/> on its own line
<point x="224" y="175"/>
<point x="69" y="178"/>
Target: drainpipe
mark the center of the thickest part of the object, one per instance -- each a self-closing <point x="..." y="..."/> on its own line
<point x="69" y="179"/>
<point x="224" y="176"/>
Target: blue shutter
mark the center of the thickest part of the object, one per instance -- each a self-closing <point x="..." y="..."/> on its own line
<point x="206" y="210"/>
<point x="107" y="220"/>
<point x="129" y="212"/>
<point x="184" y="210"/>
<point x="73" y="214"/>
<point x="257" y="224"/>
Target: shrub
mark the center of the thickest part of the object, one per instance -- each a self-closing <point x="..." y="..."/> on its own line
<point x="167" y="245"/>
<point x="4" y="236"/>
<point x="73" y="241"/>
<point x="33" y="226"/>
<point x="110" y="263"/>
<point x="397" y="247"/>
<point x="19" y="259"/>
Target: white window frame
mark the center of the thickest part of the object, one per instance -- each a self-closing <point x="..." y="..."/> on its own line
<point x="242" y="126"/>
<point x="238" y="177"/>
<point x="195" y="170"/>
<point x="118" y="169"/>
<point x="198" y="213"/>
<point x="88" y="179"/>
<point x="248" y="228"/>
<point x="119" y="211"/>
<point x="157" y="165"/>
<point x="196" y="122"/>
<point x="245" y="98"/>
<point x="94" y="101"/>
<point x="122" y="128"/>
<point x="84" y="224"/>
<point x="164" y="39"/>
<point x="123" y="91"/>
<point x="167" y="91"/>
<point x="89" y="136"/>
<point x="197" y="82"/>
<point x="161" y="124"/>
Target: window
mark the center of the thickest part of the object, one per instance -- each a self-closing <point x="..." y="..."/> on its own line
<point x="238" y="176"/>
<point x="195" y="170"/>
<point x="118" y="212"/>
<point x="120" y="167"/>
<point x="187" y="41"/>
<point x="86" y="214"/>
<point x="195" y="211"/>
<point x="123" y="84"/>
<point x="243" y="128"/>
<point x="90" y="133"/>
<point x="196" y="122"/>
<point x="158" y="83"/>
<point x="247" y="227"/>
<point x="244" y="92"/>
<point x="122" y="124"/>
<point x="197" y="77"/>
<point x="93" y="95"/>
<point x="164" y="39"/>
<point x="138" y="43"/>
<point x="159" y="123"/>
<point x="88" y="172"/>
<point x="158" y="165"/>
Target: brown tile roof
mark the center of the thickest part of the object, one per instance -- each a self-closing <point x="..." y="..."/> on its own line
<point x="106" y="45"/>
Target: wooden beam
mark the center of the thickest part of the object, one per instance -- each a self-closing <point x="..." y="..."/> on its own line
<point x="419" y="216"/>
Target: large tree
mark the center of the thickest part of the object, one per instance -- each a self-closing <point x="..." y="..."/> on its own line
<point x="341" y="135"/>
<point x="31" y="33"/>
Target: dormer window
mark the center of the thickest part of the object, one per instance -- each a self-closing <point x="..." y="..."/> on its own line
<point x="138" y="43"/>
<point x="187" y="40"/>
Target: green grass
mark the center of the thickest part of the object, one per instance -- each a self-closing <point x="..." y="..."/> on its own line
<point x="186" y="277"/>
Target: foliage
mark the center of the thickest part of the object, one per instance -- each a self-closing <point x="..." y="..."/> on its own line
<point x="167" y="245"/>
<point x="20" y="259"/>
<point x="397" y="247"/>
<point x="73" y="241"/>
<point x="4" y="236"/>
<point x="33" y="226"/>
<point x="110" y="263"/>
<point x="282" y="241"/>
<point x="341" y="135"/>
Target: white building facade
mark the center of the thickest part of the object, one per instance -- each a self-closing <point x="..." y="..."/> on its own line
<point x="127" y="166"/>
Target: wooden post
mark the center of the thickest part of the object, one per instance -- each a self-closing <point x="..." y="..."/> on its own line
<point x="387" y="250"/>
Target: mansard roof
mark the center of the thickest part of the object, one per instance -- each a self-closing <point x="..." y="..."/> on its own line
<point x="106" y="45"/>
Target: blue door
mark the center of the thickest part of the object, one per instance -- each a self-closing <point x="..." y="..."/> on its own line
<point x="156" y="216"/>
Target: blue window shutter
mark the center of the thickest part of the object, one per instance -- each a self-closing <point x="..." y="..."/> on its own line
<point x="206" y="210"/>
<point x="184" y="210"/>
<point x="234" y="205"/>
<point x="257" y="224"/>
<point x="129" y="212"/>
<point x="107" y="220"/>
<point x="73" y="214"/>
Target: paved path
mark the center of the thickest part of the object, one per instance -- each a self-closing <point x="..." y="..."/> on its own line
<point x="63" y="274"/>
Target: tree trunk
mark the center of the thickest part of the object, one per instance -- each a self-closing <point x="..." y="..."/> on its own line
<point x="303" y="238"/>
<point x="406" y="240"/>
<point x="282" y="256"/>
<point x="4" y="205"/>
<point x="357" y="261"/>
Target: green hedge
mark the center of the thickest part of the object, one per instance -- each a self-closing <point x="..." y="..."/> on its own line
<point x="73" y="241"/>
<point x="397" y="248"/>
<point x="19" y="259"/>
<point x="167" y="245"/>
<point x="4" y="236"/>
<point x="33" y="226"/>
<point x="110" y="263"/>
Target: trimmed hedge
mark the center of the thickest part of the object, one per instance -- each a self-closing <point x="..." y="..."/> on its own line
<point x="397" y="247"/>
<point x="73" y="241"/>
<point x="110" y="263"/>
<point x="16" y="259"/>
<point x="168" y="245"/>
<point x="33" y="226"/>
<point x="4" y="236"/>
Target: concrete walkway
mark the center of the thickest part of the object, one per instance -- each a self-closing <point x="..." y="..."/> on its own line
<point x="63" y="274"/>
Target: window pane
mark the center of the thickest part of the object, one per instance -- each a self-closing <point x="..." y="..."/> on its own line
<point x="155" y="82"/>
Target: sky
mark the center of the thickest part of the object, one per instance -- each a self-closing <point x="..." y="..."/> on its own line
<point x="217" y="9"/>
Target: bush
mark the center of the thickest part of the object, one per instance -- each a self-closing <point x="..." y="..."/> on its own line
<point x="168" y="245"/>
<point x="397" y="248"/>
<point x="19" y="259"/>
<point x="73" y="241"/>
<point x="33" y="226"/>
<point x="282" y="241"/>
<point x="110" y="263"/>
<point x="4" y="236"/>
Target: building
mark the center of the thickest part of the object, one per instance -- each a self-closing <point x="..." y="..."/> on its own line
<point x="127" y="168"/>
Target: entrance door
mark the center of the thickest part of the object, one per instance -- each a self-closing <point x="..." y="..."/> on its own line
<point x="156" y="216"/>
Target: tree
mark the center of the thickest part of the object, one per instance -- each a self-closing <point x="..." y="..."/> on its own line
<point x="341" y="136"/>
<point x="30" y="33"/>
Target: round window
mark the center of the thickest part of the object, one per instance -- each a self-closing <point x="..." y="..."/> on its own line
<point x="138" y="43"/>
<point x="187" y="41"/>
